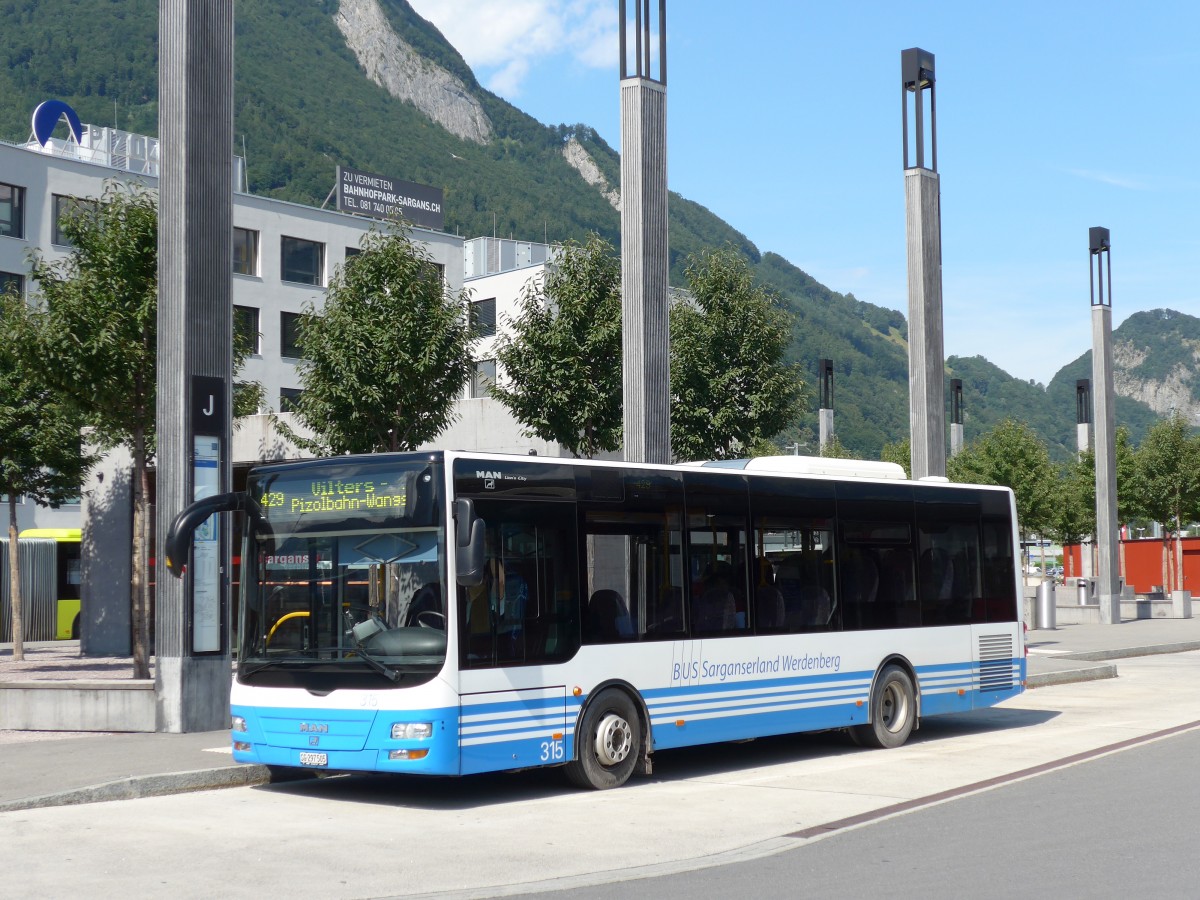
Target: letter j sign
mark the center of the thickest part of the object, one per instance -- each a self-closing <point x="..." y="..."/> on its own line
<point x="208" y="405"/>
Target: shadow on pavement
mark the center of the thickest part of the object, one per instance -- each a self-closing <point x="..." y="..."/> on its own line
<point x="730" y="760"/>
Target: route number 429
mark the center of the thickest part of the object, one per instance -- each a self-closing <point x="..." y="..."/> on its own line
<point x="552" y="751"/>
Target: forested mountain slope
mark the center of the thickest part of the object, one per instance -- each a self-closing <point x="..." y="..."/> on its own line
<point x="371" y="85"/>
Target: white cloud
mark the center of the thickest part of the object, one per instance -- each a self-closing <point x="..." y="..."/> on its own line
<point x="503" y="40"/>
<point x="1119" y="181"/>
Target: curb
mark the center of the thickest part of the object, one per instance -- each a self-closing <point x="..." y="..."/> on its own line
<point x="1149" y="650"/>
<point x="138" y="786"/>
<point x="1071" y="676"/>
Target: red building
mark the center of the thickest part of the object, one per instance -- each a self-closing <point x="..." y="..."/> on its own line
<point x="1142" y="563"/>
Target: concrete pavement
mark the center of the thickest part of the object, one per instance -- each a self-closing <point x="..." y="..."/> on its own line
<point x="39" y="769"/>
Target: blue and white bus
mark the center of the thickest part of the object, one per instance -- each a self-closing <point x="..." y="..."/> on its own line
<point x="451" y="613"/>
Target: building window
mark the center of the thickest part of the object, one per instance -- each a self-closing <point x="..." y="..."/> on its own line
<point x="64" y="207"/>
<point x="245" y="327"/>
<point x="353" y="251"/>
<point x="302" y="261"/>
<point x="485" y="377"/>
<point x="483" y="317"/>
<point x="245" y="251"/>
<point x="11" y="282"/>
<point x="12" y="211"/>
<point x="288" y="398"/>
<point x="289" y="327"/>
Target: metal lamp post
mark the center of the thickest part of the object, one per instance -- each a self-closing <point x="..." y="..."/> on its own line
<point x="1108" y="588"/>
<point x="646" y="378"/>
<point x="922" y="193"/>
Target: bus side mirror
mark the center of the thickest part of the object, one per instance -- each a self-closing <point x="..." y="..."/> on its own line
<point x="179" y="537"/>
<point x="469" y="546"/>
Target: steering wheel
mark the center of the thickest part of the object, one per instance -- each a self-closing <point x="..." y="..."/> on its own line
<point x="429" y="618"/>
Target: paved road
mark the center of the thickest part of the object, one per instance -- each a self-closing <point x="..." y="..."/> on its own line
<point x="1122" y="825"/>
<point x="490" y="836"/>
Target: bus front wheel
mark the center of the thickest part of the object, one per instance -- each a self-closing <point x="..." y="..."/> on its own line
<point x="893" y="711"/>
<point x="610" y="742"/>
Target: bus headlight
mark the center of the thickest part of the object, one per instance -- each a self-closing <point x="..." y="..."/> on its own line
<point x="412" y="731"/>
<point x="238" y="723"/>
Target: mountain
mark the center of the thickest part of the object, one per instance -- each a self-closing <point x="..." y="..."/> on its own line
<point x="371" y="85"/>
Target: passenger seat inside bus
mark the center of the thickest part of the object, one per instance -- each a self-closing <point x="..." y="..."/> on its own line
<point x="608" y="618"/>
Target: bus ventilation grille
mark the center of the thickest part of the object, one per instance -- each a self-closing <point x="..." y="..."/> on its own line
<point x="995" y="662"/>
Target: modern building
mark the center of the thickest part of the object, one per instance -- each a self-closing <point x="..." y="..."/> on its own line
<point x="284" y="255"/>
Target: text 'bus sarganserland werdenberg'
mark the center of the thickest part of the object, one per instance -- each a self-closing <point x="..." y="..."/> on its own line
<point x="452" y="613"/>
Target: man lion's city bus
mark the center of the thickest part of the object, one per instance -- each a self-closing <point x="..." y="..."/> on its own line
<point x="451" y="613"/>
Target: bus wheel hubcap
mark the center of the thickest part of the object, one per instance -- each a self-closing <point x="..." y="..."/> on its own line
<point x="613" y="739"/>
<point x="895" y="708"/>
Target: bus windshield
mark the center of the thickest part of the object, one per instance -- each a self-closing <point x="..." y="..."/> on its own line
<point x="345" y="573"/>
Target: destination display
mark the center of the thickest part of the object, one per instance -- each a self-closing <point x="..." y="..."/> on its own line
<point x="334" y="497"/>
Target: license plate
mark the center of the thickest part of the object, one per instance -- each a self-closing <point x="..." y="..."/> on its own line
<point x="314" y="759"/>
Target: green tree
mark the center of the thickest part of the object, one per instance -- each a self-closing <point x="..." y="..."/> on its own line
<point x="1011" y="454"/>
<point x="835" y="449"/>
<point x="899" y="452"/>
<point x="386" y="356"/>
<point x="41" y="455"/>
<point x="99" y="348"/>
<point x="1166" y="486"/>
<point x="561" y="353"/>
<point x="731" y="388"/>
<point x="1073" y="513"/>
<point x="100" y="345"/>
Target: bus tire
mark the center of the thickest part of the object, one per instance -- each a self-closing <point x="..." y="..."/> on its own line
<point x="609" y="744"/>
<point x="893" y="711"/>
<point x="75" y="629"/>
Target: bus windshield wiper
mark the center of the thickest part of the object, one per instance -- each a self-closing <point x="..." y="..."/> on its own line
<point x="382" y="668"/>
<point x="269" y="663"/>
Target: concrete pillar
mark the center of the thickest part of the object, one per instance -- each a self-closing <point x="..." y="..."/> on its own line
<point x="1083" y="441"/>
<point x="1108" y="590"/>
<point x="195" y="339"/>
<point x="956" y="416"/>
<point x="645" y="262"/>
<point x="825" y="425"/>
<point x="825" y="412"/>
<point x="926" y="356"/>
<point x="105" y="626"/>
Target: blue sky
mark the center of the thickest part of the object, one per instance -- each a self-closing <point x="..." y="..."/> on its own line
<point x="784" y="118"/>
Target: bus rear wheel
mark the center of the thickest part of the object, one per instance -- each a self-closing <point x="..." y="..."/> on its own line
<point x="609" y="743"/>
<point x="893" y="711"/>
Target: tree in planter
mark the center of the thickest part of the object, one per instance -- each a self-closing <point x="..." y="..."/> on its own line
<point x="1073" y="514"/>
<point x="731" y="389"/>
<point x="101" y="304"/>
<point x="1011" y="454"/>
<point x="41" y="456"/>
<point x="1166" y="486"/>
<point x="99" y="347"/>
<point x="561" y="353"/>
<point x="386" y="356"/>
